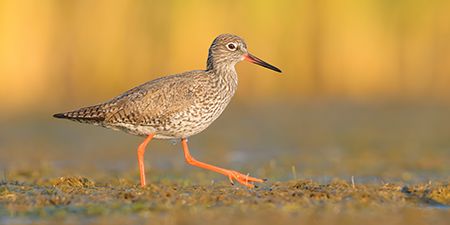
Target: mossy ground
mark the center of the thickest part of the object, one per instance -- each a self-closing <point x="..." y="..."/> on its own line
<point x="77" y="199"/>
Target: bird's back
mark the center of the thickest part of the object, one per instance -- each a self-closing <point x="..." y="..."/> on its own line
<point x="172" y="107"/>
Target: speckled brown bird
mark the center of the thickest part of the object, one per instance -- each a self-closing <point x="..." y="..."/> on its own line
<point x="177" y="106"/>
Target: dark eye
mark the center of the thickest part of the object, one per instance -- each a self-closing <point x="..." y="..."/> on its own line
<point x="231" y="46"/>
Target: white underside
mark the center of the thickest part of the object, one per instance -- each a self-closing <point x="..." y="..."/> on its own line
<point x="141" y="131"/>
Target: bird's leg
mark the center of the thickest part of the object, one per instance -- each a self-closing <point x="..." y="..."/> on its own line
<point x="140" y="153"/>
<point x="231" y="174"/>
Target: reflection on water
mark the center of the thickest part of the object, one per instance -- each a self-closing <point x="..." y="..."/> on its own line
<point x="322" y="140"/>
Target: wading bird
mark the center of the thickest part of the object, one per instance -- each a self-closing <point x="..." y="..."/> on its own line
<point x="177" y="106"/>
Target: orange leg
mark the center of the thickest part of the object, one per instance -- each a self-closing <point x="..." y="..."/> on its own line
<point x="231" y="174"/>
<point x="140" y="153"/>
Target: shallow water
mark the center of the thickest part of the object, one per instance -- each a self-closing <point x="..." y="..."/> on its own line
<point x="322" y="140"/>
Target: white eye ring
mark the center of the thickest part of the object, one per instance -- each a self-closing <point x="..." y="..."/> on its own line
<point x="232" y="46"/>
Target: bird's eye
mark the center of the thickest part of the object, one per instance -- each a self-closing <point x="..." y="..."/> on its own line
<point x="231" y="46"/>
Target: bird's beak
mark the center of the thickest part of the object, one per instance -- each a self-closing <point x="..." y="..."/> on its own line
<point x="253" y="59"/>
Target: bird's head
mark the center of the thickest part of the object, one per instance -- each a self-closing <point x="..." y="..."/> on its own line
<point x="229" y="49"/>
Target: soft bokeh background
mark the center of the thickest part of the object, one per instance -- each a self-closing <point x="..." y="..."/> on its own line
<point x="365" y="89"/>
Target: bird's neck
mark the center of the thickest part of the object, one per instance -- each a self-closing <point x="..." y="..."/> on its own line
<point x="223" y="75"/>
<point x="224" y="71"/>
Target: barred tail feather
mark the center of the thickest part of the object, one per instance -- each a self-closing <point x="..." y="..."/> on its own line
<point x="91" y="114"/>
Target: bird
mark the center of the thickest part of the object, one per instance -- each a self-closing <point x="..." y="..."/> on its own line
<point x="178" y="106"/>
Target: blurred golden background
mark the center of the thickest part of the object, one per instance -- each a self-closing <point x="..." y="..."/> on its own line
<point x="63" y="54"/>
<point x="364" y="98"/>
<point x="364" y="90"/>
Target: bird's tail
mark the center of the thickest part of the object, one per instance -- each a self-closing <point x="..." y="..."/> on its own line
<point x="91" y="114"/>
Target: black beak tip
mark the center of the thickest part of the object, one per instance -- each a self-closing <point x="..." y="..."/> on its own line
<point x="268" y="66"/>
<point x="256" y="60"/>
<point x="273" y="68"/>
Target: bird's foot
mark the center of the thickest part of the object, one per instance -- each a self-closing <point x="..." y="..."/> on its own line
<point x="242" y="178"/>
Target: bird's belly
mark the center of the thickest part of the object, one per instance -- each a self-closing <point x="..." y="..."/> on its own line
<point x="188" y="125"/>
<point x="190" y="122"/>
<point x="181" y="124"/>
<point x="140" y="130"/>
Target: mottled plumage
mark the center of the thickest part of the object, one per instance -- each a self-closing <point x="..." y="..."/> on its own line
<point x="176" y="106"/>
